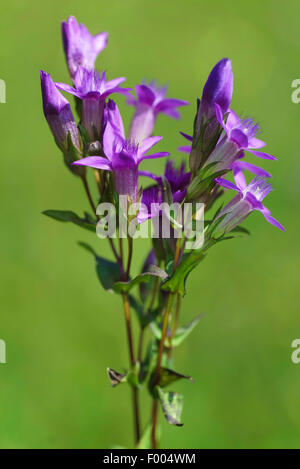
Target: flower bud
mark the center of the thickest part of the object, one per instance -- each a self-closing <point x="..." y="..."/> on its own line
<point x="217" y="90"/>
<point x="58" y="114"/>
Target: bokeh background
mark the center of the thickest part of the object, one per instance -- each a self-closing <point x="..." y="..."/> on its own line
<point x="61" y="329"/>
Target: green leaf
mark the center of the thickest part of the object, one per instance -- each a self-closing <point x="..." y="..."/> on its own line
<point x="116" y="378"/>
<point x="124" y="287"/>
<point x="145" y="441"/>
<point x="107" y="271"/>
<point x="67" y="216"/>
<point x="145" y="317"/>
<point x="172" y="404"/>
<point x="183" y="332"/>
<point x="176" y="284"/>
<point x="240" y="229"/>
<point x="168" y="376"/>
<point x="203" y="182"/>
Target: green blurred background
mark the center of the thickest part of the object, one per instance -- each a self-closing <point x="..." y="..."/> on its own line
<point x="61" y="329"/>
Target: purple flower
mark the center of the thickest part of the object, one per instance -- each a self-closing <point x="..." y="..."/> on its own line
<point x="58" y="113"/>
<point x="92" y="88"/>
<point x="240" y="136"/>
<point x="151" y="100"/>
<point x="217" y="90"/>
<point x="122" y="156"/>
<point x="248" y="199"/>
<point x="81" y="48"/>
<point x="177" y="178"/>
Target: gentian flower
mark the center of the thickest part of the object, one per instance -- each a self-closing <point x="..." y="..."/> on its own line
<point x="177" y="178"/>
<point x="217" y="90"/>
<point x="58" y="113"/>
<point x="240" y="136"/>
<point x="122" y="156"/>
<point x="92" y="88"/>
<point x="248" y="199"/>
<point x="81" y="48"/>
<point x="151" y="100"/>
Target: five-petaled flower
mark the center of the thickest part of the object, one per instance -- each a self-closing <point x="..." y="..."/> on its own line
<point x="122" y="156"/>
<point x="81" y="48"/>
<point x="151" y="100"/>
<point x="248" y="198"/>
<point x="93" y="89"/>
<point x="58" y="113"/>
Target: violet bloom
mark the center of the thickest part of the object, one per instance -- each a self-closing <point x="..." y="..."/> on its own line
<point x="177" y="178"/>
<point x="122" y="156"/>
<point x="240" y="136"/>
<point x="81" y="48"/>
<point x="58" y="113"/>
<point x="248" y="199"/>
<point x="152" y="197"/>
<point x="151" y="100"/>
<point x="217" y="90"/>
<point x="92" y="88"/>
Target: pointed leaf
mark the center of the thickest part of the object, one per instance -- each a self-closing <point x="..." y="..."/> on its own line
<point x="107" y="271"/>
<point x="176" y="284"/>
<point x="168" y="376"/>
<point x="240" y="229"/>
<point x="68" y="216"/>
<point x="146" y="438"/>
<point x="116" y="378"/>
<point x="123" y="287"/>
<point x="183" y="332"/>
<point x="172" y="404"/>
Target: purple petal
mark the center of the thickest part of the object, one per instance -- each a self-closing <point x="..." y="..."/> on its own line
<point x="260" y="154"/>
<point x="273" y="221"/>
<point x="239" y="178"/>
<point x="52" y="98"/>
<point x="238" y="137"/>
<point x="173" y="113"/>
<point x="68" y="89"/>
<point x="160" y="154"/>
<point x="114" y="118"/>
<point x="233" y="120"/>
<point x="255" y="143"/>
<point x="185" y="149"/>
<point x="150" y="175"/>
<point x="109" y="137"/>
<point x="188" y="137"/>
<point x="227" y="184"/>
<point x="219" y="115"/>
<point x="115" y="82"/>
<point x="145" y="94"/>
<point x="169" y="105"/>
<point x="243" y="165"/>
<point x="147" y="144"/>
<point x="97" y="162"/>
<point x="254" y="202"/>
<point x="100" y="42"/>
<point x="117" y="89"/>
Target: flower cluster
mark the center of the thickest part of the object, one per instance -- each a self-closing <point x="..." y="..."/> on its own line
<point x="217" y="152"/>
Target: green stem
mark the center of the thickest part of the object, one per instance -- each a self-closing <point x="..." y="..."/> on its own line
<point x="88" y="193"/>
<point x="158" y="366"/>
